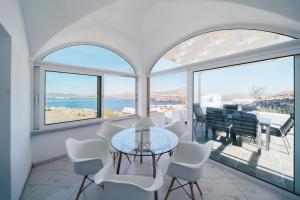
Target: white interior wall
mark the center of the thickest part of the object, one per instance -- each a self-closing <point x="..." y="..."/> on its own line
<point x="5" y="84"/>
<point x="12" y="20"/>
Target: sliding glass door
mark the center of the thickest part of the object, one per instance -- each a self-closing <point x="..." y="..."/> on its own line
<point x="248" y="112"/>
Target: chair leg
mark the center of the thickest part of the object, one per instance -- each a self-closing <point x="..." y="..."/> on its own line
<point x="285" y="145"/>
<point x="136" y="153"/>
<point x="289" y="145"/>
<point x="81" y="187"/>
<point x="192" y="190"/>
<point x="252" y="138"/>
<point x="196" y="183"/>
<point x="158" y="157"/>
<point x="170" y="188"/>
<point x="114" y="158"/>
<point x="195" y="127"/>
<point x="128" y="158"/>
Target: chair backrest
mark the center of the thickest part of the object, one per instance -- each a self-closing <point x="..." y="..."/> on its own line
<point x="215" y="118"/>
<point x="195" y="155"/>
<point x="128" y="186"/>
<point x="144" y="122"/>
<point x="193" y="152"/>
<point x="248" y="108"/>
<point x="87" y="156"/>
<point x="198" y="111"/>
<point x="230" y="108"/>
<point x="285" y="128"/>
<point x="178" y="127"/>
<point x="244" y="123"/>
<point x="108" y="130"/>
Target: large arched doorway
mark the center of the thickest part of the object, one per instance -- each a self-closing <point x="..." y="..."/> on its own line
<point x="230" y="101"/>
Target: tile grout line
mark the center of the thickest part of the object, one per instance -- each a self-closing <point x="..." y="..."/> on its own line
<point x="241" y="191"/>
<point x="43" y="184"/>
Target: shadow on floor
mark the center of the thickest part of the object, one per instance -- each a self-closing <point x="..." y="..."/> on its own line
<point x="243" y="156"/>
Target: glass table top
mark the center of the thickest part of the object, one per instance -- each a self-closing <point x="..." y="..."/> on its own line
<point x="145" y="141"/>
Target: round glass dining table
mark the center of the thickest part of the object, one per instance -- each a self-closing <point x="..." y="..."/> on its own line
<point x="151" y="141"/>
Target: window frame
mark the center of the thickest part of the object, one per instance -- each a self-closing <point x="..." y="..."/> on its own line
<point x="135" y="98"/>
<point x="99" y="99"/>
<point x="39" y="88"/>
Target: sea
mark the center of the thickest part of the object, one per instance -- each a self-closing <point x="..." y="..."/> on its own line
<point x="115" y="104"/>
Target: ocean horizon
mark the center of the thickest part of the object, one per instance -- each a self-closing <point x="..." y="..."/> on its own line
<point x="115" y="104"/>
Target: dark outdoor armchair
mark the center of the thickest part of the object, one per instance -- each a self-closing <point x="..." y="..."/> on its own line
<point x="282" y="131"/>
<point x="199" y="116"/>
<point x="215" y="120"/>
<point x="244" y="124"/>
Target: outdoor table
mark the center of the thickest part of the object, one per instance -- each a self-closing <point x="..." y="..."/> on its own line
<point x="263" y="123"/>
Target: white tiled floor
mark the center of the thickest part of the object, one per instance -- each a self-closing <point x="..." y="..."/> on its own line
<point x="56" y="180"/>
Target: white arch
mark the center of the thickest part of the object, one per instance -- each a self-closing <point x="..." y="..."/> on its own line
<point x="220" y="28"/>
<point x="65" y="45"/>
<point x="144" y="30"/>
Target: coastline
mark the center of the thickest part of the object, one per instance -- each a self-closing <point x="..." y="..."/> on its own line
<point x="60" y="114"/>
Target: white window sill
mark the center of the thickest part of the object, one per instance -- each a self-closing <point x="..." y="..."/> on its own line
<point x="88" y="123"/>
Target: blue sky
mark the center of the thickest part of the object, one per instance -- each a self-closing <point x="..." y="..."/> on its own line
<point x="275" y="76"/>
<point x="70" y="83"/>
<point x="168" y="82"/>
<point x="82" y="84"/>
<point x="91" y="56"/>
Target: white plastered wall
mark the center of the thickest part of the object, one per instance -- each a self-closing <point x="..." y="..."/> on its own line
<point x="12" y="20"/>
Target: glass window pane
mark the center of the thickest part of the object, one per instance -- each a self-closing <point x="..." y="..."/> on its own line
<point x="168" y="94"/>
<point x="70" y="97"/>
<point x="90" y="56"/>
<point x="119" y="96"/>
<point x="235" y="101"/>
<point x="216" y="44"/>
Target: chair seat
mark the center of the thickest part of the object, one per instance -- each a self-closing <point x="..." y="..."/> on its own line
<point x="183" y="172"/>
<point x="140" y="181"/>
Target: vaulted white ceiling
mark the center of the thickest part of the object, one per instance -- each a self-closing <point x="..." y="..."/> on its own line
<point x="143" y="30"/>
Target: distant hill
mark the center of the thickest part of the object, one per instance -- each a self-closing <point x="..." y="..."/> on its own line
<point x="178" y="95"/>
<point x="69" y="95"/>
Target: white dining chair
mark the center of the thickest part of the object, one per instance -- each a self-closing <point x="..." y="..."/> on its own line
<point x="179" y="128"/>
<point x="144" y="122"/>
<point x="187" y="164"/>
<point x="88" y="157"/>
<point x="107" y="131"/>
<point x="133" y="187"/>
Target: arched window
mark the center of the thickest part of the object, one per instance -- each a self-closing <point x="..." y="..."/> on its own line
<point x="216" y="44"/>
<point x="90" y="56"/>
<point x="168" y="91"/>
<point x="83" y="83"/>
<point x="232" y="103"/>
